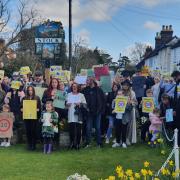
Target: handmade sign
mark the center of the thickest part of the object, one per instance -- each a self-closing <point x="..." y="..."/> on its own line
<point x="80" y="79"/>
<point x="147" y="104"/>
<point x="29" y="109"/>
<point x="15" y="84"/>
<point x="55" y="69"/>
<point x="73" y="99"/>
<point x="169" y="115"/>
<point x="90" y="72"/>
<point x="83" y="72"/>
<point x="105" y="82"/>
<point x="6" y="125"/>
<point x="1" y="74"/>
<point x="101" y="71"/>
<point x="25" y="70"/>
<point x="59" y="100"/>
<point x="145" y="71"/>
<point x="39" y="91"/>
<point x="120" y="104"/>
<point x="178" y="90"/>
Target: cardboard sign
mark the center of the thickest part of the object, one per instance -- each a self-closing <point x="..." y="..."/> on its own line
<point x="106" y="83"/>
<point x="147" y="104"/>
<point x="29" y="109"/>
<point x="59" y="100"/>
<point x="15" y="84"/>
<point x="6" y="125"/>
<point x="55" y="69"/>
<point x="90" y="72"/>
<point x="73" y="99"/>
<point x="101" y="71"/>
<point x="80" y="79"/>
<point x="120" y="104"/>
<point x="1" y="74"/>
<point x="169" y="115"/>
<point x="25" y="70"/>
<point x="39" y="91"/>
<point x="83" y="72"/>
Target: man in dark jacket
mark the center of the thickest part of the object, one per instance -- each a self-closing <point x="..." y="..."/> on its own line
<point x="95" y="106"/>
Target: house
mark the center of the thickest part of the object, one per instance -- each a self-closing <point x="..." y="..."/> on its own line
<point x="166" y="54"/>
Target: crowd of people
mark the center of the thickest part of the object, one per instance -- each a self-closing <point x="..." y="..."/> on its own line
<point x="89" y="111"/>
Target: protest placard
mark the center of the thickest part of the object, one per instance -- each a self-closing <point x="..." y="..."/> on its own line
<point x="169" y="115"/>
<point x="147" y="104"/>
<point x="25" y="70"/>
<point x="6" y="125"/>
<point x="1" y="74"/>
<point x="59" y="100"/>
<point x="120" y="104"/>
<point x="83" y="72"/>
<point x="29" y="109"/>
<point x="105" y="82"/>
<point x="80" y="79"/>
<point x="101" y="71"/>
<point x="55" y="69"/>
<point x="15" y="84"/>
<point x="90" y="72"/>
<point x="39" y="91"/>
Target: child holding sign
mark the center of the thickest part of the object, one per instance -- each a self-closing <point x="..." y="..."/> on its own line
<point x="49" y="127"/>
<point x="156" y="123"/>
<point x="10" y="117"/>
<point x="120" y="125"/>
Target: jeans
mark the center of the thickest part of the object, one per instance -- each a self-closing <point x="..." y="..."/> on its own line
<point x="110" y="127"/>
<point x="96" y="120"/>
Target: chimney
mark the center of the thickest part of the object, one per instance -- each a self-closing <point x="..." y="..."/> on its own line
<point x="166" y="34"/>
<point x="148" y="51"/>
<point x="158" y="40"/>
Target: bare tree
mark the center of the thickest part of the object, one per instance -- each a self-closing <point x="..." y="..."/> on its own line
<point x="137" y="52"/>
<point x="25" y="18"/>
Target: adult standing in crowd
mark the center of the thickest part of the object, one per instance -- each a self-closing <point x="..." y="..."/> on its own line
<point x="156" y="89"/>
<point x="31" y="125"/>
<point x="129" y="116"/>
<point x="176" y="76"/>
<point x="96" y="106"/>
<point x="38" y="80"/>
<point x="6" y="84"/>
<point x="111" y="96"/>
<point x="75" y="102"/>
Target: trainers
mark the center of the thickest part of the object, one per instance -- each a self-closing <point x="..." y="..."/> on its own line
<point x="7" y="144"/>
<point x="3" y="144"/>
<point x="114" y="140"/>
<point x="124" y="145"/>
<point x="115" y="145"/>
<point x="107" y="141"/>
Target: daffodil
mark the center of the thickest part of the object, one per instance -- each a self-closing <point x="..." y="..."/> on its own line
<point x="121" y="174"/>
<point x="137" y="175"/>
<point x="144" y="172"/>
<point x="149" y="143"/>
<point x="119" y="169"/>
<point x="160" y="140"/>
<point x="163" y="152"/>
<point x="129" y="172"/>
<point x="171" y="163"/>
<point x="111" y="178"/>
<point x="150" y="173"/>
<point x="146" y="164"/>
<point x="131" y="178"/>
<point x="156" y="178"/>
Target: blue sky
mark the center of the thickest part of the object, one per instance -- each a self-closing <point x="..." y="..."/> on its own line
<point x="114" y="25"/>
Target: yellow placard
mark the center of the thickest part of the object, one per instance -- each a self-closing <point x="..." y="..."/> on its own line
<point x="120" y="104"/>
<point x="29" y="109"/>
<point x="147" y="104"/>
<point x="55" y="69"/>
<point x="63" y="76"/>
<point x="178" y="89"/>
<point x="25" y="70"/>
<point x="1" y="74"/>
<point x="15" y="84"/>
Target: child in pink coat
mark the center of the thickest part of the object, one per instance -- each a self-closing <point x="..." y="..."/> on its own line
<point x="156" y="124"/>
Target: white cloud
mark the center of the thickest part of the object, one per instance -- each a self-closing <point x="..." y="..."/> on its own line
<point x="84" y="34"/>
<point x="154" y="26"/>
<point x="82" y="10"/>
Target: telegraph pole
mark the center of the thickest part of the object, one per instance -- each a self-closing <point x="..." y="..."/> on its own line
<point x="70" y="34"/>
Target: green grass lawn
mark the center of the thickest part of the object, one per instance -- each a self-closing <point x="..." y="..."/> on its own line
<point x="17" y="163"/>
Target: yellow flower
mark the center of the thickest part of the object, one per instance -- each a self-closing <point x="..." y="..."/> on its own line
<point x="121" y="174"/>
<point x="144" y="172"/>
<point x="160" y="140"/>
<point x="163" y="152"/>
<point x="165" y="172"/>
<point x="119" y="169"/>
<point x="156" y="178"/>
<point x="137" y="175"/>
<point x="174" y="174"/>
<point x="154" y="142"/>
<point x="111" y="178"/>
<point x="131" y="178"/>
<point x="149" y="143"/>
<point x="150" y="172"/>
<point x="129" y="172"/>
<point x="171" y="163"/>
<point x="146" y="164"/>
